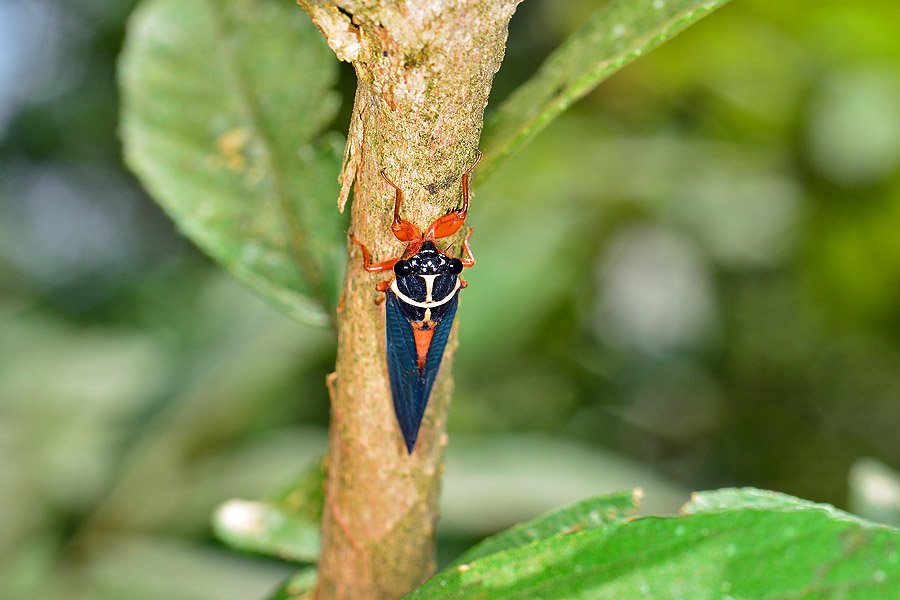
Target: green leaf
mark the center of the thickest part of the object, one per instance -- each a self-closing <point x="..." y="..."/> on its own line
<point x="614" y="36"/>
<point x="297" y="587"/>
<point x="287" y="527"/>
<point x="787" y="550"/>
<point x="268" y="529"/>
<point x="306" y="496"/>
<point x="731" y="498"/>
<point x="875" y="491"/>
<point x="587" y="514"/>
<point x="223" y="104"/>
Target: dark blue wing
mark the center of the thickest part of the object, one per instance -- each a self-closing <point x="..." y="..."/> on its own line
<point x="406" y="384"/>
<point x="411" y="387"/>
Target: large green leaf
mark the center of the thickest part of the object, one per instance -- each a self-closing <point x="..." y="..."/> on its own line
<point x="767" y="547"/>
<point x="587" y="514"/>
<point x="615" y="35"/>
<point x="223" y="104"/>
<point x="731" y="498"/>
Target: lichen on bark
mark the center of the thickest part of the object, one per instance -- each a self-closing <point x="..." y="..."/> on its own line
<point x="424" y="70"/>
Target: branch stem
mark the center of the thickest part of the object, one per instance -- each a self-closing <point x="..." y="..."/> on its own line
<point x="424" y="73"/>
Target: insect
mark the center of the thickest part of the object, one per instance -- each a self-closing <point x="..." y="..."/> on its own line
<point x="420" y="302"/>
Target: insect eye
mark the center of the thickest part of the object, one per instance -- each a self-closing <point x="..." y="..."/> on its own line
<point x="455" y="267"/>
<point x="402" y="268"/>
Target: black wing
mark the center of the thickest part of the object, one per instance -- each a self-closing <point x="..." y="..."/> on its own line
<point x="411" y="387"/>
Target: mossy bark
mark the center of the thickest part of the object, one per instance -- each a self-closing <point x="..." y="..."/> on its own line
<point x="424" y="73"/>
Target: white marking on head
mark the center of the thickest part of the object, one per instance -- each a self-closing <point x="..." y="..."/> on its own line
<point x="429" y="286"/>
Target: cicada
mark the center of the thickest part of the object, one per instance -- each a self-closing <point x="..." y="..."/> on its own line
<point x="421" y="298"/>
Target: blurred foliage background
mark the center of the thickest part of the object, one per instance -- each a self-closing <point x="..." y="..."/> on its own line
<point x="691" y="280"/>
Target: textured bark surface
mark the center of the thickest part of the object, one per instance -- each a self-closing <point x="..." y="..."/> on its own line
<point x="424" y="71"/>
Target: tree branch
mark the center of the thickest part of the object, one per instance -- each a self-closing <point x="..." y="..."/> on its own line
<point x="424" y="72"/>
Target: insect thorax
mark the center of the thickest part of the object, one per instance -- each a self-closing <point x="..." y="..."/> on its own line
<point x="425" y="292"/>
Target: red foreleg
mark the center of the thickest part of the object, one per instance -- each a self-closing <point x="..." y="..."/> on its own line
<point x="403" y="230"/>
<point x="386" y="265"/>
<point x="452" y="221"/>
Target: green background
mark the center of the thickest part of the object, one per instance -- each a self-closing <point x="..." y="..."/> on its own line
<point x="690" y="280"/>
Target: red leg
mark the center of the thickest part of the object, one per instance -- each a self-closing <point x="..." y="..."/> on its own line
<point x="386" y="265"/>
<point x="403" y="230"/>
<point x="383" y="286"/>
<point x="468" y="259"/>
<point x="465" y="183"/>
<point x="452" y="221"/>
<point x="446" y="225"/>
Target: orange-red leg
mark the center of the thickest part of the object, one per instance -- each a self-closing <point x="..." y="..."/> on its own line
<point x="468" y="259"/>
<point x="386" y="265"/>
<point x="465" y="183"/>
<point x="382" y="286"/>
<point x="452" y="221"/>
<point x="403" y="230"/>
